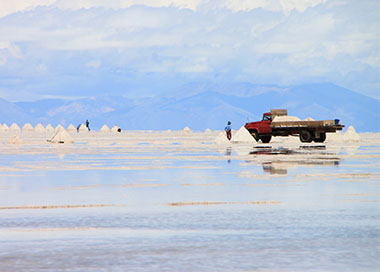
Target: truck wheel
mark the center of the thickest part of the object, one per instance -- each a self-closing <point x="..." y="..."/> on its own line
<point x="321" y="139"/>
<point x="305" y="136"/>
<point x="255" y="135"/>
<point x="266" y="139"/>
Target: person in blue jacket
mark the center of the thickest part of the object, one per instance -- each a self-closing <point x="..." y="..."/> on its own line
<point x="227" y="129"/>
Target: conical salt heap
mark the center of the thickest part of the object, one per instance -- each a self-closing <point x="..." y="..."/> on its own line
<point x="187" y="129"/>
<point x="71" y="128"/>
<point x="243" y="136"/>
<point x="105" y="128"/>
<point x="208" y="130"/>
<point x="27" y="127"/>
<point x="15" y="140"/>
<point x="15" y="127"/>
<point x="351" y="135"/>
<point x="4" y="127"/>
<point x="39" y="128"/>
<point x="82" y="128"/>
<point x="61" y="137"/>
<point x="221" y="139"/>
<point x="115" y="128"/>
<point x="49" y="128"/>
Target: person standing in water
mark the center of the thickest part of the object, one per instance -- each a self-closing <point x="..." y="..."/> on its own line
<point x="88" y="125"/>
<point x="227" y="129"/>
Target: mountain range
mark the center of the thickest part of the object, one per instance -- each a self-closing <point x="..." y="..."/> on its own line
<point x="202" y="105"/>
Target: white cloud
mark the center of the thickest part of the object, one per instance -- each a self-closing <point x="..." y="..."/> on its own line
<point x="266" y="42"/>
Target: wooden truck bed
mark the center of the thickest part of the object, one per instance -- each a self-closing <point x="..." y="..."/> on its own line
<point x="303" y="124"/>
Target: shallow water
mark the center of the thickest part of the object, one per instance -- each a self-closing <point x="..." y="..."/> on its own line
<point x="177" y="202"/>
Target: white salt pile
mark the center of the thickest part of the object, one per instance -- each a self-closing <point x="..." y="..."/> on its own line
<point x="105" y="128"/>
<point x="115" y="128"/>
<point x="243" y="136"/>
<point x="27" y="127"/>
<point x="187" y="129"/>
<point x="60" y="136"/>
<point x="71" y="128"/>
<point x="351" y="135"/>
<point x="49" y="128"/>
<point x="285" y="118"/>
<point x="208" y="130"/>
<point x="14" y="127"/>
<point x="221" y="139"/>
<point x="309" y="119"/>
<point x="15" y="140"/>
<point x="59" y="127"/>
<point x="4" y="127"/>
<point x="39" y="128"/>
<point x="82" y="128"/>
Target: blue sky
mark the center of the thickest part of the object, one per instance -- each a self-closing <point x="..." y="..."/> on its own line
<point x="81" y="48"/>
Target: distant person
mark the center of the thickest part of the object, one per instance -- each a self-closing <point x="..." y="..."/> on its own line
<point x="78" y="127"/>
<point x="227" y="129"/>
<point x="119" y="130"/>
<point x="88" y="125"/>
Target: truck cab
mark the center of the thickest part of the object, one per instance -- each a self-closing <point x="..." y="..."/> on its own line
<point x="261" y="129"/>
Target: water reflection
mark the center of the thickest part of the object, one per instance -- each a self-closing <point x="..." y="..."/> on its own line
<point x="281" y="167"/>
<point x="304" y="155"/>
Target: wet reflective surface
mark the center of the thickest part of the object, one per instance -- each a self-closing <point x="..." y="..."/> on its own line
<point x="178" y="202"/>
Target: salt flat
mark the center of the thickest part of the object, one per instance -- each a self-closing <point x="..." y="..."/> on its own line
<point x="188" y="201"/>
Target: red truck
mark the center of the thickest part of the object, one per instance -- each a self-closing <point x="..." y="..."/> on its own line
<point x="308" y="131"/>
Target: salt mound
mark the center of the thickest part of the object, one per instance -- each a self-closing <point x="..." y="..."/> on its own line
<point x="285" y="118"/>
<point x="187" y="129"/>
<point x="105" y="128"/>
<point x="4" y="127"/>
<point x="61" y="136"/>
<point x="82" y="128"/>
<point x="309" y="119"/>
<point x="71" y="128"/>
<point x="15" y="140"/>
<point x="14" y="127"/>
<point x="243" y="135"/>
<point x="49" y="128"/>
<point x="39" y="128"/>
<point x="351" y="135"/>
<point x="115" y="128"/>
<point x="208" y="130"/>
<point x="221" y="139"/>
<point x="27" y="127"/>
<point x="59" y="127"/>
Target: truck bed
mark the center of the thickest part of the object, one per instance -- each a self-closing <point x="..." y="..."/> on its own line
<point x="304" y="124"/>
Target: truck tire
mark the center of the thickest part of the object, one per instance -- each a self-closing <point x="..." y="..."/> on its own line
<point x="321" y="139"/>
<point x="255" y="135"/>
<point x="305" y="136"/>
<point x="266" y="139"/>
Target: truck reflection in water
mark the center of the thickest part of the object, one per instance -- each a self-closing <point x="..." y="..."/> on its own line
<point x="306" y="155"/>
